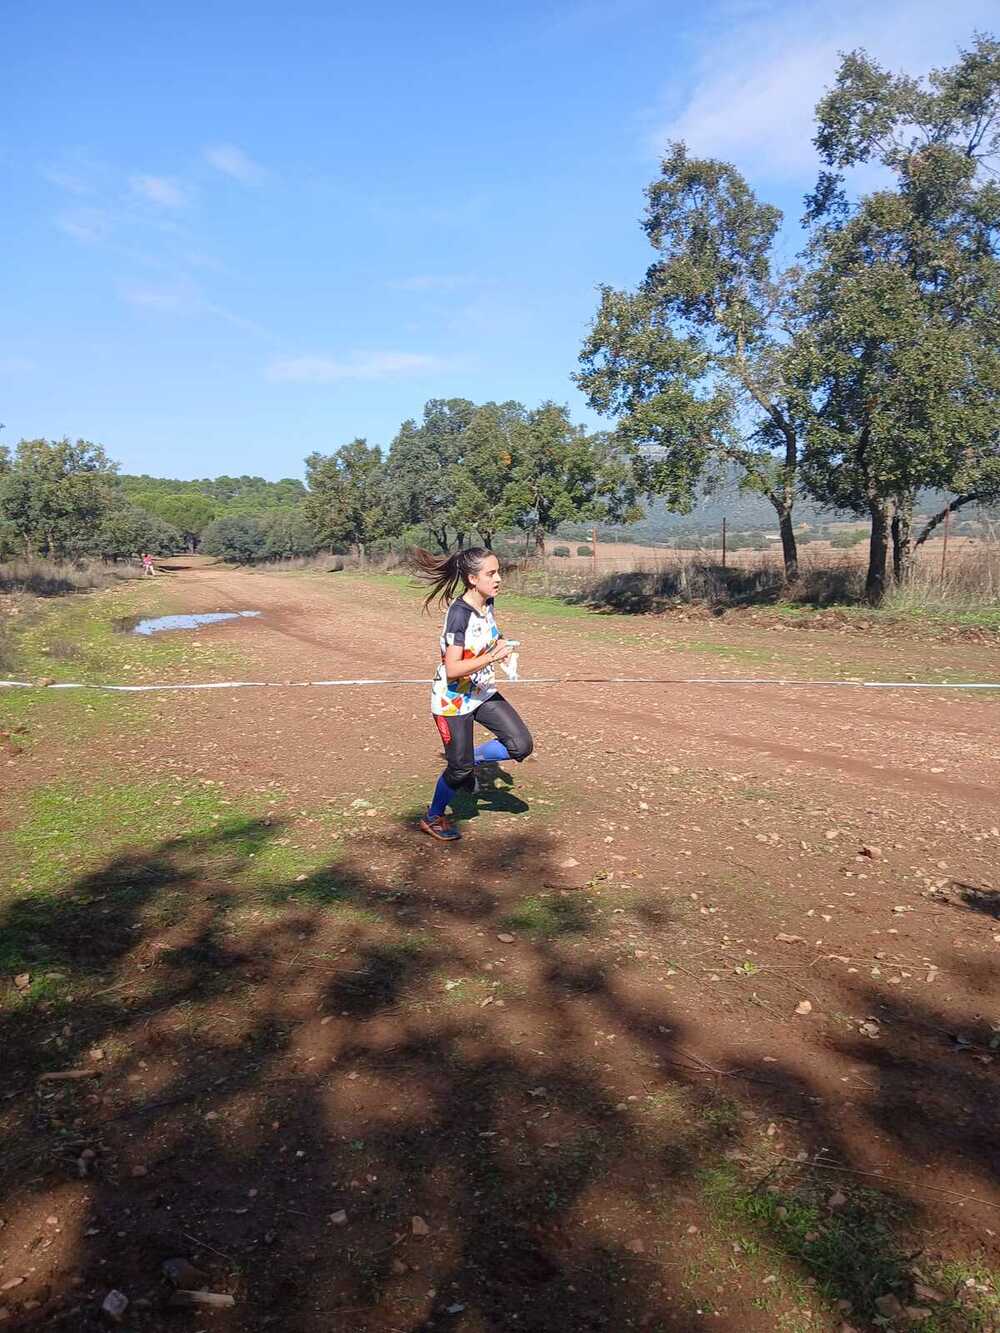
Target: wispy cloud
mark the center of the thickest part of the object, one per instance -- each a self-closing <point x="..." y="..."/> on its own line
<point x="181" y="296"/>
<point x="356" y="366"/>
<point x="88" y="225"/>
<point x="73" y="182"/>
<point x="160" y="190"/>
<point x="234" y="162"/>
<point x="764" y="66"/>
<point x="175" y="296"/>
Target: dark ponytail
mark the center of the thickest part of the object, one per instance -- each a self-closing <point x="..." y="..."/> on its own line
<point x="445" y="573"/>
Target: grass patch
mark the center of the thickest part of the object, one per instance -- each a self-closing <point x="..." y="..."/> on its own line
<point x="81" y="866"/>
<point x="548" y="917"/>
<point x="856" y="1253"/>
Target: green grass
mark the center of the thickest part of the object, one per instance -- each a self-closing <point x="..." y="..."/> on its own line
<point x="137" y="847"/>
<point x="547" y="917"/>
<point x="76" y="639"/>
<point x="857" y="1253"/>
<point x="900" y="609"/>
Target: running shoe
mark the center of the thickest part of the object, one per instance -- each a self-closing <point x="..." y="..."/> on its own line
<point x="440" y="827"/>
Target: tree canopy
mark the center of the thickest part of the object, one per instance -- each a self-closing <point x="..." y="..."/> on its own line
<point x="859" y="376"/>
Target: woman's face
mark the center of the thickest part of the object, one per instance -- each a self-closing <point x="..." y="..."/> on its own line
<point x="486" y="580"/>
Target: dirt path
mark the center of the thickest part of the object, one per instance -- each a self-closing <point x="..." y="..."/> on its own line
<point x="706" y="931"/>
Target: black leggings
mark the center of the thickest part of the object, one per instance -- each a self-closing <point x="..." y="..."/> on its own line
<point x="498" y="716"/>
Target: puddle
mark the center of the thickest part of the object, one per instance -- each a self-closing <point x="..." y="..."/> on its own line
<point x="157" y="624"/>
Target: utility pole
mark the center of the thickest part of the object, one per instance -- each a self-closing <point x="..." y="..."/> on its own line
<point x="723" y="543"/>
<point x="944" y="547"/>
<point x="593" y="550"/>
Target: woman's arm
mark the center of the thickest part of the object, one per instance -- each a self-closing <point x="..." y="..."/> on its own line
<point x="455" y="666"/>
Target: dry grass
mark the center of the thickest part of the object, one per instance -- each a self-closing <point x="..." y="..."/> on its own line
<point x="50" y="578"/>
<point x="323" y="561"/>
<point x="971" y="581"/>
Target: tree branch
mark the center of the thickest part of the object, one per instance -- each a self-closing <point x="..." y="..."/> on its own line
<point x="950" y="508"/>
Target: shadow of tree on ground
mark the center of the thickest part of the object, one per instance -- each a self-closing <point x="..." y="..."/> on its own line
<point x="415" y="1091"/>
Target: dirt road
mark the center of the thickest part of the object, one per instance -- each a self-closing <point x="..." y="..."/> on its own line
<point x="707" y="933"/>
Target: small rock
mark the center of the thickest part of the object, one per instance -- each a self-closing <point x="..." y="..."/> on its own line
<point x="139" y="1171"/>
<point x="506" y="939"/>
<point x="419" y="1227"/>
<point x="870" y="1029"/>
<point x="23" y="980"/>
<point x="888" y="1305"/>
<point x="928" y="1293"/>
<point x="782" y="938"/>
<point x="399" y="1268"/>
<point x="182" y="1273"/>
<point x="339" y="1218"/>
<point x="455" y="1309"/>
<point x="569" y="863"/>
<point x="837" y="1200"/>
<point x="873" y="853"/>
<point x="803" y="1007"/>
<point x="11" y="1283"/>
<point x="917" y="1312"/>
<point x="115" y="1305"/>
<point x="636" y="1246"/>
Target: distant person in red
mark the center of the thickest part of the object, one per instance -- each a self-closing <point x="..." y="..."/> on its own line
<point x="147" y="563"/>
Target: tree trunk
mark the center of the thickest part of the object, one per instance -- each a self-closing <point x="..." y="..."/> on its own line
<point x="487" y="539"/>
<point x="878" y="552"/>
<point x="902" y="540"/>
<point x="789" y="547"/>
<point x="539" y="541"/>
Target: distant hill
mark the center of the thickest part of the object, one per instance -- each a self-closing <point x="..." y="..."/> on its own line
<point x="230" y="495"/>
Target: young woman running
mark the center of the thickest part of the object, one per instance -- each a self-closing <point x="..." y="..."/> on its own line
<point x="464" y="689"/>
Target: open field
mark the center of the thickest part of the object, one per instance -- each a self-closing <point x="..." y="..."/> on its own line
<point x="634" y="555"/>
<point x="697" y="1029"/>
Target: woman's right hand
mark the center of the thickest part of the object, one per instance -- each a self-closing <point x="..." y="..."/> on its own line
<point x="502" y="651"/>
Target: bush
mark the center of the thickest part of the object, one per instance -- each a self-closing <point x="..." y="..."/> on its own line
<point x="239" y="538"/>
<point x="843" y="541"/>
<point x="287" y="534"/>
<point x="561" y="550"/>
<point x="584" y="550"/>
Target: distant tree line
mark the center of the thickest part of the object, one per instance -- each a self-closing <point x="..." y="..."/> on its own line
<point x="465" y="472"/>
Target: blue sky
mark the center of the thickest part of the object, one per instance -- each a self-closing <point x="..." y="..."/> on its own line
<point x="234" y="233"/>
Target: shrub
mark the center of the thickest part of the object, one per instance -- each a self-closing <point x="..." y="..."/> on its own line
<point x="561" y="550"/>
<point x="584" y="550"/>
<point x="844" y="540"/>
<point x="238" y="538"/>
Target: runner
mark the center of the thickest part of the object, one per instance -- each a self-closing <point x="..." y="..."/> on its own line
<point x="464" y="689"/>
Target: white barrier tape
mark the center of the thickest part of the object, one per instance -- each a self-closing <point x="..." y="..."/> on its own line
<point x="780" y="682"/>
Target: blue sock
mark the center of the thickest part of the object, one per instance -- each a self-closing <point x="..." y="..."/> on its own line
<point x="442" y="796"/>
<point x="491" y="752"/>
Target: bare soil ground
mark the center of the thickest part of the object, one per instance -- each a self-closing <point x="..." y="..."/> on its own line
<point x="697" y="1028"/>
